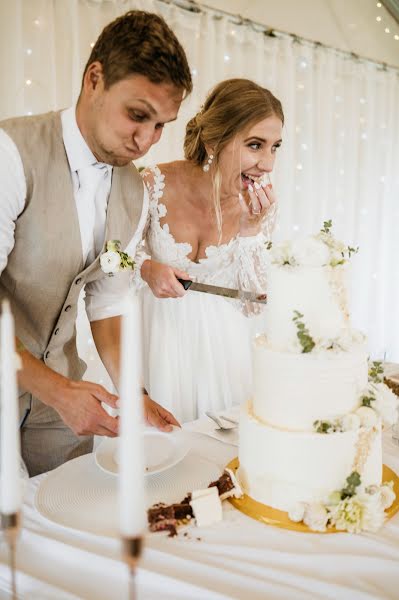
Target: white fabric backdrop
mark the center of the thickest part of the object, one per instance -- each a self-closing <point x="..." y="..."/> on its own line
<point x="340" y="153"/>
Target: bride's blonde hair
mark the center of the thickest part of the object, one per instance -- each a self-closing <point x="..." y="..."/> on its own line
<point x="232" y="106"/>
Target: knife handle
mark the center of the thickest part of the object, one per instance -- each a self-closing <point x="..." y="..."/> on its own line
<point x="185" y="283"/>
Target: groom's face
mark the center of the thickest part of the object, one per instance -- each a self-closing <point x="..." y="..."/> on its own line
<point x="121" y="123"/>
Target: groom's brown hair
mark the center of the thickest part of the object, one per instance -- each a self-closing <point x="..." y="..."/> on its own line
<point x="141" y="43"/>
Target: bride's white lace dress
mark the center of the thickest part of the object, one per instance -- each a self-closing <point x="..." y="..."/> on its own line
<point x="197" y="349"/>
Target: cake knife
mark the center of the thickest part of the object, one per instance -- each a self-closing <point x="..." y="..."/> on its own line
<point x="223" y="291"/>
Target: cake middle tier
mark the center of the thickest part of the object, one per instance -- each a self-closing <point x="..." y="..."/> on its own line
<point x="292" y="391"/>
<point x="280" y="468"/>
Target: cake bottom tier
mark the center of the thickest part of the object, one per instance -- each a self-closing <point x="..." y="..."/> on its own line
<point x="280" y="468"/>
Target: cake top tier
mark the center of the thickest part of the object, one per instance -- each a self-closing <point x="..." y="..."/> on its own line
<point x="307" y="294"/>
<point x="319" y="250"/>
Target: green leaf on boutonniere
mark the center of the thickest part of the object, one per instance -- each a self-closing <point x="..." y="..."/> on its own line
<point x="113" y="246"/>
<point x="303" y="335"/>
<point x="269" y="245"/>
<point x="126" y="261"/>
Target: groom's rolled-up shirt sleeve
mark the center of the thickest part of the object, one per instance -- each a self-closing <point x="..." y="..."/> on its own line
<point x="12" y="194"/>
<point x="107" y="297"/>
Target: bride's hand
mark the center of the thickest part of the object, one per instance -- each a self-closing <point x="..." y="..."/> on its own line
<point x="157" y="416"/>
<point x="162" y="279"/>
<point x="260" y="199"/>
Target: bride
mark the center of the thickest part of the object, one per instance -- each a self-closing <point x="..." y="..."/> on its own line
<point x="209" y="220"/>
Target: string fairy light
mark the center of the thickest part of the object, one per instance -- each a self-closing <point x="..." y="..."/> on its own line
<point x="387" y="29"/>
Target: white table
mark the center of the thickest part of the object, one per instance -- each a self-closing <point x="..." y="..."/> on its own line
<point x="237" y="558"/>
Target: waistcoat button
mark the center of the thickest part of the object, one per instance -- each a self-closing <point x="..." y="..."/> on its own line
<point x="47" y="354"/>
<point x="56" y="331"/>
<point x="67" y="308"/>
<point x="79" y="279"/>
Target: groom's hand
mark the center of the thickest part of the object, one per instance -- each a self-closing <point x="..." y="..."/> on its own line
<point x="157" y="416"/>
<point x="162" y="279"/>
<point x="79" y="405"/>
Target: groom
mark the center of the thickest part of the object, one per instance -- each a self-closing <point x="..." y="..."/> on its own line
<point x="68" y="186"/>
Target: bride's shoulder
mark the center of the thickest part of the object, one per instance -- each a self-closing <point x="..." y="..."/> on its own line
<point x="169" y="174"/>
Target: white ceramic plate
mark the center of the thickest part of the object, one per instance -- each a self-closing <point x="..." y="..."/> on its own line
<point x="161" y="451"/>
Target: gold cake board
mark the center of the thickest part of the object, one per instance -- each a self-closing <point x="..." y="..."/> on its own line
<point x="278" y="518"/>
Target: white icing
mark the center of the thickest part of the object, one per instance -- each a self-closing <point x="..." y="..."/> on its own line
<point x="281" y="468"/>
<point x="319" y="293"/>
<point x="207" y="507"/>
<point x="284" y="462"/>
<point x="291" y="391"/>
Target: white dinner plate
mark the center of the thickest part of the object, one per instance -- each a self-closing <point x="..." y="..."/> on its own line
<point x="161" y="451"/>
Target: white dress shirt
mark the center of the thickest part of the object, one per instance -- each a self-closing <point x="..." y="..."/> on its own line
<point x="91" y="187"/>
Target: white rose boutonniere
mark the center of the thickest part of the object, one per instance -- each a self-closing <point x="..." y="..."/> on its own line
<point x="114" y="260"/>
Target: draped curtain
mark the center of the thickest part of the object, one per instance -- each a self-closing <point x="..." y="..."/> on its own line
<point x="340" y="153"/>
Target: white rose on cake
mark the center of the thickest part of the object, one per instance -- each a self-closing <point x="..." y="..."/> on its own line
<point x="310" y="252"/>
<point x="350" y="422"/>
<point x="387" y="495"/>
<point x="281" y="254"/>
<point x="316" y="516"/>
<point x="297" y="512"/>
<point x="386" y="404"/>
<point x="362" y="512"/>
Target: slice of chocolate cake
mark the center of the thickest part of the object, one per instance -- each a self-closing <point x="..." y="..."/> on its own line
<point x="227" y="485"/>
<point x="162" y="518"/>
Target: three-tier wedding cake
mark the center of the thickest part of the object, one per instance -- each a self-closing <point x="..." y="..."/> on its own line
<point x="310" y="436"/>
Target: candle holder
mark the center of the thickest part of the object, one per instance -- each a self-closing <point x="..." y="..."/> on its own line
<point x="131" y="550"/>
<point x="11" y="526"/>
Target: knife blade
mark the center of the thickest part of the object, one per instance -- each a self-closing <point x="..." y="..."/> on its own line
<point x="223" y="291"/>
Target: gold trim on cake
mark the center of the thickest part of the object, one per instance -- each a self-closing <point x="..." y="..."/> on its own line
<point x="278" y="518"/>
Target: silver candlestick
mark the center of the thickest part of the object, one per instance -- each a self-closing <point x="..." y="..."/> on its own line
<point x="131" y="550"/>
<point x="11" y="526"/>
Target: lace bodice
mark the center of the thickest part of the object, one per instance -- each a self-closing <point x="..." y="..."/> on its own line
<point x="239" y="263"/>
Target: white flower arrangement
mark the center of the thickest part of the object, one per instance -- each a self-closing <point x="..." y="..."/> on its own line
<point x="353" y="509"/>
<point x="318" y="250"/>
<point x="114" y="260"/>
<point x="378" y="397"/>
<point x="349" y="422"/>
<point x="377" y="403"/>
<point x="345" y="342"/>
<point x="316" y="516"/>
<point x="361" y="512"/>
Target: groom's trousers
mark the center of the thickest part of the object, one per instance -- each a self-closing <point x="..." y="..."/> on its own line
<point x="46" y="442"/>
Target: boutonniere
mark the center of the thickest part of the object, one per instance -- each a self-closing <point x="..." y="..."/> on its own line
<point x="114" y="260"/>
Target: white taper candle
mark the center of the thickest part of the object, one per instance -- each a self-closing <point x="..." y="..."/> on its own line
<point x="132" y="511"/>
<point x="10" y="482"/>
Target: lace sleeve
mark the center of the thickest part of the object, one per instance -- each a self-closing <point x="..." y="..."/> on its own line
<point x="251" y="270"/>
<point x="251" y="264"/>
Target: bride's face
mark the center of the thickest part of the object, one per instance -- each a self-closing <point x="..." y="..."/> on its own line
<point x="250" y="155"/>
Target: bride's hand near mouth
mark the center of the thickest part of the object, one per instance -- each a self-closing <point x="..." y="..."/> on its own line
<point x="255" y="206"/>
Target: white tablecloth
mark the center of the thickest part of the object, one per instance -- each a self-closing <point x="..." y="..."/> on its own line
<point x="237" y="558"/>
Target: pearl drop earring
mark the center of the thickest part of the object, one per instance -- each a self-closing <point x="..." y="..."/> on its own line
<point x="208" y="164"/>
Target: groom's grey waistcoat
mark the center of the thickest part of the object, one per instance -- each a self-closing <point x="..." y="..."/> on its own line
<point x="45" y="271"/>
